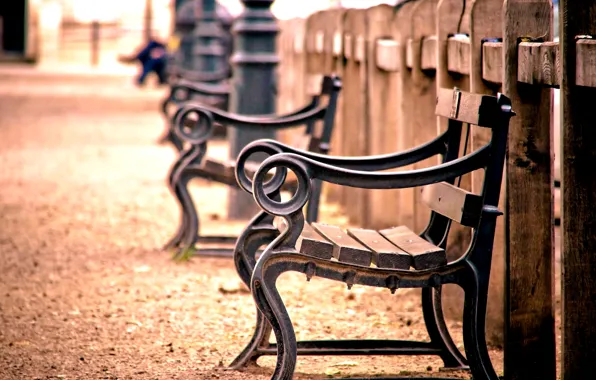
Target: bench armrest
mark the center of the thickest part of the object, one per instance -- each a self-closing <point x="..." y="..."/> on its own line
<point x="307" y="169"/>
<point x="221" y="89"/>
<point x="208" y="116"/>
<point x="198" y="76"/>
<point x="365" y="163"/>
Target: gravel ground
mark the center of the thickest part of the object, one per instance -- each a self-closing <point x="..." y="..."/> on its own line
<point x="85" y="291"/>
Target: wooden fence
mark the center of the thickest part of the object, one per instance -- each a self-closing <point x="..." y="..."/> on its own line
<point x="392" y="60"/>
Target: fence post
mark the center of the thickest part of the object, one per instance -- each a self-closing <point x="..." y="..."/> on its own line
<point x="578" y="189"/>
<point x="382" y="112"/>
<point x="486" y="23"/>
<point x="402" y="28"/>
<point x="423" y="56"/>
<point x="530" y="341"/>
<point x="253" y="85"/>
<point x="355" y="118"/>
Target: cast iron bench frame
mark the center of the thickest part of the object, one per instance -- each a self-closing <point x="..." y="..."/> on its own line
<point x="193" y="86"/>
<point x="194" y="163"/>
<point x="296" y="248"/>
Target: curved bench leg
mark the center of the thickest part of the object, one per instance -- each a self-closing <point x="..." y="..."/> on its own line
<point x="259" y="231"/>
<point x="432" y="309"/>
<point x="271" y="305"/>
<point x="474" y="324"/>
<point x="260" y="338"/>
<point x="191" y="227"/>
<point x="173" y="175"/>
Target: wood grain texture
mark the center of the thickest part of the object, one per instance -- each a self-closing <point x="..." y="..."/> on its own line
<point x="585" y="72"/>
<point x="423" y="93"/>
<point x="355" y="117"/>
<point x="453" y="202"/>
<point x="384" y="254"/>
<point x="578" y="184"/>
<point x="492" y="62"/>
<point x="530" y="344"/>
<point x="425" y="255"/>
<point x="334" y="63"/>
<point x="291" y="86"/>
<point x="538" y="63"/>
<point x="382" y="116"/>
<point x="486" y="21"/>
<point x="402" y="31"/>
<point x="345" y="248"/>
<point x="452" y="18"/>
<point x="458" y="55"/>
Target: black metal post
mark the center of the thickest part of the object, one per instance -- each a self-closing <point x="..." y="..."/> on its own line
<point x="253" y="85"/>
<point x="209" y="52"/>
<point x="184" y="29"/>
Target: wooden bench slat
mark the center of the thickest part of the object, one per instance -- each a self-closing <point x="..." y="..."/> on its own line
<point x="309" y="242"/>
<point x="384" y="254"/>
<point x="345" y="249"/>
<point x="425" y="255"/>
<point x="466" y="107"/>
<point x="453" y="202"/>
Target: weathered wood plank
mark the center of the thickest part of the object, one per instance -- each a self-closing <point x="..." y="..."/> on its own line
<point x="492" y="62"/>
<point x="530" y="344"/>
<point x="385" y="254"/>
<point x="424" y="254"/>
<point x="406" y="100"/>
<point x="424" y="94"/>
<point x="355" y="119"/>
<point x="578" y="190"/>
<point x="486" y="21"/>
<point x="453" y="19"/>
<point x="382" y="116"/>
<point x="428" y="52"/>
<point x="309" y="242"/>
<point x="387" y="55"/>
<point x="450" y="21"/>
<point x="585" y="72"/>
<point x="457" y="204"/>
<point x="538" y="63"/>
<point x="458" y="54"/>
<point x="334" y="63"/>
<point x="345" y="248"/>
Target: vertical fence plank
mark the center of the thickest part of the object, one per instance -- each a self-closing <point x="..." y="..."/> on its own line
<point x="530" y="343"/>
<point x="382" y="112"/>
<point x="406" y="101"/>
<point x="579" y="196"/>
<point x="453" y="18"/>
<point x="334" y="64"/>
<point x="486" y="21"/>
<point x="424" y="92"/>
<point x="355" y="120"/>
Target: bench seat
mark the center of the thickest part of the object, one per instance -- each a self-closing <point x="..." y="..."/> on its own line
<point x="391" y="248"/>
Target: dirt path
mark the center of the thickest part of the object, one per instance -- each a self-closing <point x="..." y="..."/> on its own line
<point x="85" y="292"/>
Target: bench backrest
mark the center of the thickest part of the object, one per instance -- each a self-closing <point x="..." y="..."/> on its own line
<point x="324" y="91"/>
<point x="447" y="200"/>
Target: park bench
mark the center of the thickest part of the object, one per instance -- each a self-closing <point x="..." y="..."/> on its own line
<point x="317" y="116"/>
<point x="390" y="258"/>
<point x="194" y="88"/>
